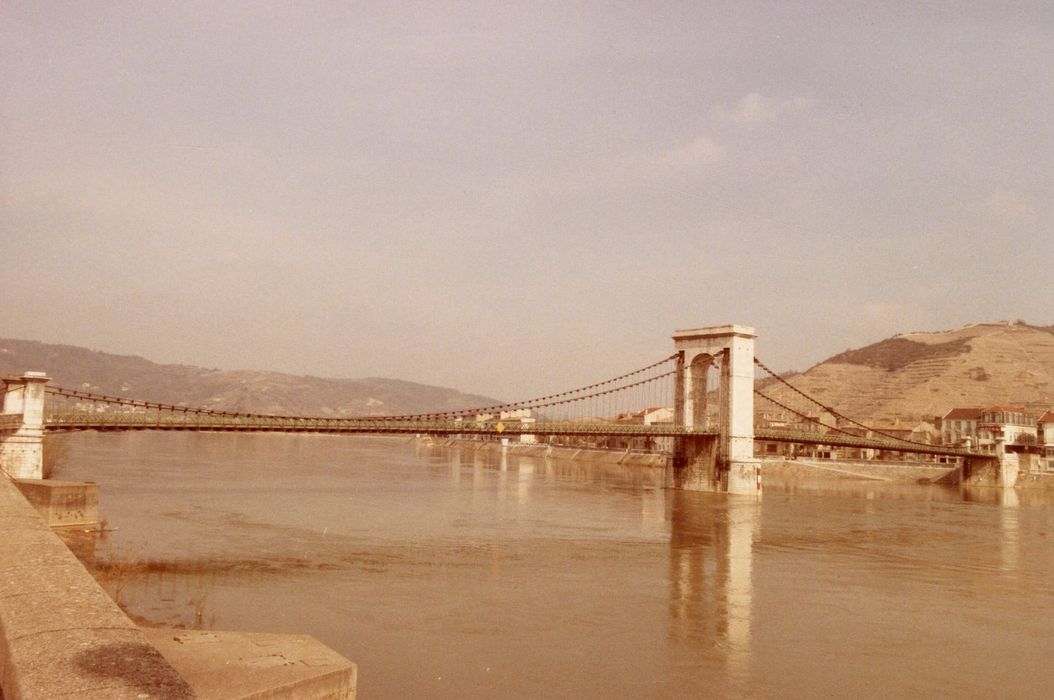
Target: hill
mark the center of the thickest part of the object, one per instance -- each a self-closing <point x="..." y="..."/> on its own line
<point x="920" y="375"/>
<point x="229" y="390"/>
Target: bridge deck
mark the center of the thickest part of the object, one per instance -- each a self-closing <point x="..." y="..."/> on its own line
<point x="221" y="423"/>
<point x="841" y="440"/>
<point x="380" y="426"/>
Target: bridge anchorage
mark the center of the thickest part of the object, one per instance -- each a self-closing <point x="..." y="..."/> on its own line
<point x="662" y="406"/>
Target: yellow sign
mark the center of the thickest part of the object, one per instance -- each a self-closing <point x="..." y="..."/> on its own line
<point x="500" y="427"/>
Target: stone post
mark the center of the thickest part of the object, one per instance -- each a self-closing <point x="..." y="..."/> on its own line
<point x="22" y="452"/>
<point x="737" y="374"/>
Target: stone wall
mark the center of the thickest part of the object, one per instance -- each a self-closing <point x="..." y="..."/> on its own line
<point x="60" y="634"/>
<point x="866" y="470"/>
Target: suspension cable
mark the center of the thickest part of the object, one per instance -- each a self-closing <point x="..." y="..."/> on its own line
<point x="831" y="410"/>
<point x="539" y="402"/>
<point x="806" y="417"/>
<point x="135" y="403"/>
<point x="597" y="394"/>
<point x="535" y="402"/>
<point x="118" y="400"/>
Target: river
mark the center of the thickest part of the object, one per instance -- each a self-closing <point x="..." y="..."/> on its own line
<point x="448" y="573"/>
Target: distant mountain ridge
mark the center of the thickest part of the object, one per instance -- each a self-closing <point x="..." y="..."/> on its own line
<point x="229" y="390"/>
<point x="903" y="378"/>
<point x="920" y="375"/>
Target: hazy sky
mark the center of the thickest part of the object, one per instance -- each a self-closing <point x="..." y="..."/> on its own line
<point x="511" y="198"/>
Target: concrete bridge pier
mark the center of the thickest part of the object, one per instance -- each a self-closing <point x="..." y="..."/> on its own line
<point x="988" y="470"/>
<point x="722" y="462"/>
<point x="695" y="465"/>
<point x="22" y="450"/>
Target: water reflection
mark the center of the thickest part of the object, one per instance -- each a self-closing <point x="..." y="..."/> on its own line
<point x="1010" y="526"/>
<point x="653" y="512"/>
<point x="869" y="490"/>
<point x="486" y="570"/>
<point x="527" y="466"/>
<point x="711" y="563"/>
<point x="992" y="496"/>
<point x="1009" y="502"/>
<point x="454" y="460"/>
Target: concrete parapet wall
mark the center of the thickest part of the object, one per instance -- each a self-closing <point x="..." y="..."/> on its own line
<point x="256" y="666"/>
<point x="799" y="469"/>
<point x="1035" y="481"/>
<point x="60" y="634"/>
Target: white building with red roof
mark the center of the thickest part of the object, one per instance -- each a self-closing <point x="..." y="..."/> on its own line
<point x="1045" y="428"/>
<point x="1010" y="425"/>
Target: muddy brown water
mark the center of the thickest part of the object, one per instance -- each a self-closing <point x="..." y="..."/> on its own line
<point x="446" y="573"/>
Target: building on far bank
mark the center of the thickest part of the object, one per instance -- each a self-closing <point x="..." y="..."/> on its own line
<point x="521" y="419"/>
<point x="1045" y="431"/>
<point x="1010" y="425"/>
<point x="655" y="415"/>
<point x="791" y="423"/>
<point x="959" y="424"/>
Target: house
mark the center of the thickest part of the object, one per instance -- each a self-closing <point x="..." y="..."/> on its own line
<point x="660" y="415"/>
<point x="521" y="419"/>
<point x="656" y="415"/>
<point x="926" y="432"/>
<point x="1009" y="425"/>
<point x="1045" y="434"/>
<point x="960" y="424"/>
<point x="821" y="422"/>
<point x="793" y="423"/>
<point x="923" y="432"/>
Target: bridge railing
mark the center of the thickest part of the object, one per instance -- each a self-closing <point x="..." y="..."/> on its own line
<point x="841" y="440"/>
<point x="846" y="431"/>
<point x="206" y="422"/>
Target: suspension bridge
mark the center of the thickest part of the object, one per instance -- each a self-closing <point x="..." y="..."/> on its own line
<point x="708" y="402"/>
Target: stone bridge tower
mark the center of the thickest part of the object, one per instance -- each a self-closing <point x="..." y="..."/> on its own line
<point x="725" y="461"/>
<point x="22" y="449"/>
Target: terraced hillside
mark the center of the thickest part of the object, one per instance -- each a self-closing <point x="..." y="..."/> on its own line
<point x="919" y="375"/>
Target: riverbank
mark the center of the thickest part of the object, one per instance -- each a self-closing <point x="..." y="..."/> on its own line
<point x="784" y="470"/>
<point x="60" y="634"/>
<point x="774" y="470"/>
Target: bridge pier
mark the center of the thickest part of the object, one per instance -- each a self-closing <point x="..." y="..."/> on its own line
<point x="695" y="465"/>
<point x="725" y="461"/>
<point x="22" y="447"/>
<point x="1001" y="470"/>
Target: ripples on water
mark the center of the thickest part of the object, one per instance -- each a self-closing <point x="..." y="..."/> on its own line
<point x="453" y="573"/>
